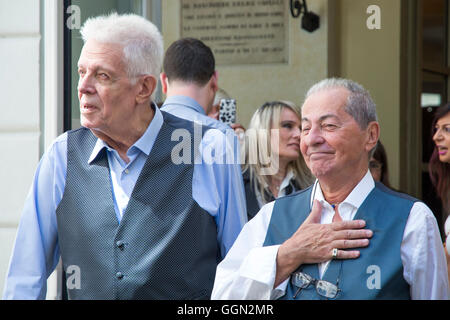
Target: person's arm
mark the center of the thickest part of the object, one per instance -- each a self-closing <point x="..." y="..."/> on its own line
<point x="447" y="256"/>
<point x="447" y="245"/>
<point x="423" y="257"/>
<point x="36" y="252"/>
<point x="218" y="185"/>
<point x="248" y="270"/>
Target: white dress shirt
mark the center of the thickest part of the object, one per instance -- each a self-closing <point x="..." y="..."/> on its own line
<point x="248" y="271"/>
<point x="447" y="234"/>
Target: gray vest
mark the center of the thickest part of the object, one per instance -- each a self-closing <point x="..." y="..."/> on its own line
<point x="165" y="246"/>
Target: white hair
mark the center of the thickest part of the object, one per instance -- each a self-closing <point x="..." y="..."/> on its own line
<point x="359" y="102"/>
<point x="141" y="41"/>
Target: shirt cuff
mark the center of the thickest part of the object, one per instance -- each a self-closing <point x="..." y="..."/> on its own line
<point x="261" y="265"/>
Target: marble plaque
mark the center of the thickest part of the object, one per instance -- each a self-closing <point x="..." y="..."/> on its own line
<point x="238" y="32"/>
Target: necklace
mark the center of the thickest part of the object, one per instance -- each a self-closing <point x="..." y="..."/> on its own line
<point x="276" y="184"/>
<point x="313" y="195"/>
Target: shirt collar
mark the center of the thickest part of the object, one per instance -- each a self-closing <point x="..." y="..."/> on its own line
<point x="287" y="179"/>
<point x="184" y="102"/>
<point x="356" y="196"/>
<point x="144" y="143"/>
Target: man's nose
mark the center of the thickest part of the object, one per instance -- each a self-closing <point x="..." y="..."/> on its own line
<point x="86" y="85"/>
<point x="314" y="136"/>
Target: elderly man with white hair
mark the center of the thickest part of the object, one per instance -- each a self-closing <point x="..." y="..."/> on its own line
<point x="127" y="221"/>
<point x="295" y="248"/>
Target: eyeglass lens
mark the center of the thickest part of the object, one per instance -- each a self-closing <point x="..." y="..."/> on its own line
<point x="323" y="288"/>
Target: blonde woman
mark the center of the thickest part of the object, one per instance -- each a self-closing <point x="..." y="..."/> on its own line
<point x="274" y="166"/>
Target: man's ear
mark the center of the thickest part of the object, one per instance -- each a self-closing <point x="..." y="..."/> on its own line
<point x="164" y="81"/>
<point x="148" y="85"/>
<point x="373" y="134"/>
<point x="214" y="82"/>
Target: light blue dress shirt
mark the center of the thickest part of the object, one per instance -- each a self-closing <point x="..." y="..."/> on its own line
<point x="187" y="108"/>
<point x="219" y="146"/>
<point x="216" y="188"/>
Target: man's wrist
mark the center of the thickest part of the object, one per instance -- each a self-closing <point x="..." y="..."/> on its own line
<point x="285" y="264"/>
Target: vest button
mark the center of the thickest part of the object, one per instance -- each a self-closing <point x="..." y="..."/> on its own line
<point x="120" y="244"/>
<point x="119" y="275"/>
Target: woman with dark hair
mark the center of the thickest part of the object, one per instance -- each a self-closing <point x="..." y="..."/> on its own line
<point x="378" y="165"/>
<point x="439" y="166"/>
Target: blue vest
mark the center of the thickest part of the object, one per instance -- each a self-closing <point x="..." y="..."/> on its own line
<point x="378" y="272"/>
<point x="165" y="246"/>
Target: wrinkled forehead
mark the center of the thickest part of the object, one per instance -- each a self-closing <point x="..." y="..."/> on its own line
<point x="95" y="53"/>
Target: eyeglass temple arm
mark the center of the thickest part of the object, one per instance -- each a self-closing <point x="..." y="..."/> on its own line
<point x="297" y="292"/>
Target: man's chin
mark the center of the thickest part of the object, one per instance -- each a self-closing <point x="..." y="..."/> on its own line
<point x="320" y="171"/>
<point x="85" y="122"/>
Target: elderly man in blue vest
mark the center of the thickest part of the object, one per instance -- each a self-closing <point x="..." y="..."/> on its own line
<point x="291" y="250"/>
<point x="128" y="220"/>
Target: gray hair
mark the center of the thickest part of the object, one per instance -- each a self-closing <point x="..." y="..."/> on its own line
<point x="359" y="102"/>
<point x="141" y="41"/>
